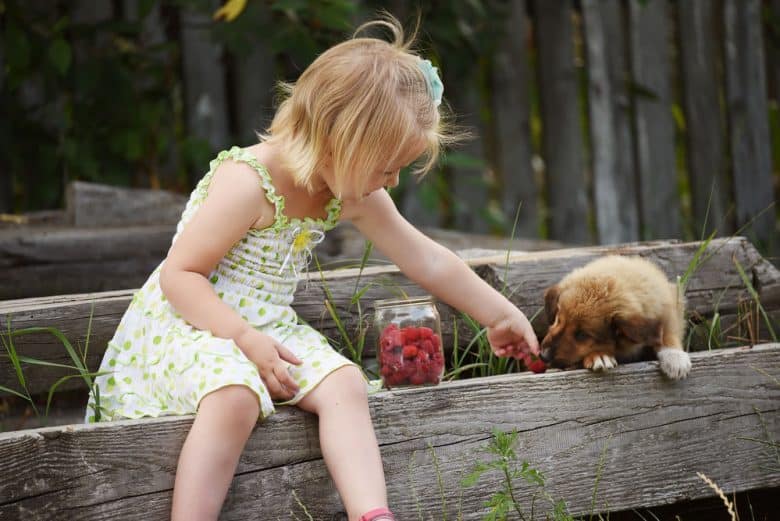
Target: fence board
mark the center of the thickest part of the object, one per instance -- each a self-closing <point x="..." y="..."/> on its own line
<point x="705" y="126"/>
<point x="614" y="184"/>
<point x="253" y="85"/>
<point x="748" y="123"/>
<point x="527" y="275"/>
<point x="562" y="140"/>
<point x="469" y="183"/>
<point x="511" y="113"/>
<point x="654" y="128"/>
<point x="639" y="421"/>
<point x="204" y="78"/>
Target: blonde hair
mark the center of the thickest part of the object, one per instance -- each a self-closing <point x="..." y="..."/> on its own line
<point x="363" y="101"/>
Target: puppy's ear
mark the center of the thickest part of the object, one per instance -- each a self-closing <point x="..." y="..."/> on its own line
<point x="551" y="303"/>
<point x="639" y="330"/>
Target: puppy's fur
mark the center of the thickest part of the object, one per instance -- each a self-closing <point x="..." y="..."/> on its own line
<point x="611" y="310"/>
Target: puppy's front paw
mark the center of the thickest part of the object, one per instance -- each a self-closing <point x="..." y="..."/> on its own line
<point x="675" y="363"/>
<point x="599" y="362"/>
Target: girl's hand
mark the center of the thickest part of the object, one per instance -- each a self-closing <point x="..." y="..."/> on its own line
<point x="270" y="356"/>
<point x="513" y="337"/>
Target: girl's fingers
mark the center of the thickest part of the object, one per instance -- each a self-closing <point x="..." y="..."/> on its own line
<point x="287" y="355"/>
<point x="284" y="378"/>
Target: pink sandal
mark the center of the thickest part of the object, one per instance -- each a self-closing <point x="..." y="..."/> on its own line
<point x="378" y="514"/>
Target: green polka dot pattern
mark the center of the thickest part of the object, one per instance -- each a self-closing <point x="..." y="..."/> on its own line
<point x="158" y="364"/>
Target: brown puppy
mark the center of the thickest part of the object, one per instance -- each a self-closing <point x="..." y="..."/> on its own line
<point x="610" y="310"/>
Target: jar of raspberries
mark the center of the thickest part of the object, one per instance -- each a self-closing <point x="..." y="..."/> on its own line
<point x="409" y="347"/>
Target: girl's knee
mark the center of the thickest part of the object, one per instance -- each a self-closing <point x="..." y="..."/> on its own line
<point x="237" y="402"/>
<point x="350" y="381"/>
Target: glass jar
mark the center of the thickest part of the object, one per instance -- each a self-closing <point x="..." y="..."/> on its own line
<point x="409" y="348"/>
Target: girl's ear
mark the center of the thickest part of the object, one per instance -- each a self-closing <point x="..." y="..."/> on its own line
<point x="639" y="330"/>
<point x="551" y="303"/>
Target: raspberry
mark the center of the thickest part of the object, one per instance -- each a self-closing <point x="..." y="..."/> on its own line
<point x="411" y="333"/>
<point x="537" y="366"/>
<point x="425" y="332"/>
<point x="410" y="351"/>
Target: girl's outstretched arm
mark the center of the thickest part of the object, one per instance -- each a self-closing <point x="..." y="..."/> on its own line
<point x="442" y="273"/>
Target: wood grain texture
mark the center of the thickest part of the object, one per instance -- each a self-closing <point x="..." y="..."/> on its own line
<point x="751" y="156"/>
<point x="562" y="139"/>
<point x="651" y="73"/>
<point x="614" y="183"/>
<point x="705" y="128"/>
<point x="715" y="284"/>
<point x="649" y="437"/>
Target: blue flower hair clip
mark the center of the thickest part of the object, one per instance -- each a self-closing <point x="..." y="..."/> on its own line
<point x="435" y="86"/>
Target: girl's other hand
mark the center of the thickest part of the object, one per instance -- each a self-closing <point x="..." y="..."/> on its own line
<point x="270" y="356"/>
<point x="513" y="337"/>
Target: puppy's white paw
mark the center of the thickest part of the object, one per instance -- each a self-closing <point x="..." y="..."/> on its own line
<point x="600" y="362"/>
<point x="675" y="363"/>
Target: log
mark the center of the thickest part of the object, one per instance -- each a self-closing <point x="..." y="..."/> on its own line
<point x="37" y="261"/>
<point x="640" y="436"/>
<point x="716" y="284"/>
<point x="99" y="205"/>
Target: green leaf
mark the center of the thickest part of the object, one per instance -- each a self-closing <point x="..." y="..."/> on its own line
<point x="60" y="55"/>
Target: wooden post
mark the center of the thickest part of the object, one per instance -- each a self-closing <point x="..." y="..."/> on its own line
<point x="511" y="112"/>
<point x="705" y="126"/>
<point x="659" y="200"/>
<point x="255" y="75"/>
<point x="204" y="78"/>
<point x="562" y="141"/>
<point x="748" y="123"/>
<point x="469" y="183"/>
<point x="614" y="179"/>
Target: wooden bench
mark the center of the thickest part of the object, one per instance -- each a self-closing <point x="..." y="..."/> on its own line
<point x="630" y="438"/>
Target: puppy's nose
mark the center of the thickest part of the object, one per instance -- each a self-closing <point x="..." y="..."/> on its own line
<point x="546" y="355"/>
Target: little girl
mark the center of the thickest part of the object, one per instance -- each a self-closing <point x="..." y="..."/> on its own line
<point x="212" y="332"/>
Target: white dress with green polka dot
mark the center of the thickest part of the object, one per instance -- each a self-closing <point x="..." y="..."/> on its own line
<point x="158" y="364"/>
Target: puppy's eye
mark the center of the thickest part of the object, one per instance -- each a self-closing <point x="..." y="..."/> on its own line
<point x="581" y="336"/>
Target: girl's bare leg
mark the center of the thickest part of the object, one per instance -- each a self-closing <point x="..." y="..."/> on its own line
<point x="347" y="440"/>
<point x="208" y="460"/>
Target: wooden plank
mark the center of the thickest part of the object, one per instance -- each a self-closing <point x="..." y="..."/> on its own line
<point x="255" y="74"/>
<point x="705" y="125"/>
<point x="46" y="260"/>
<point x="511" y="116"/>
<point x="469" y="183"/>
<point x="527" y="276"/>
<point x="203" y="74"/>
<point x="99" y="205"/>
<point x="562" y="140"/>
<point x="748" y="119"/>
<point x="52" y="261"/>
<point x="614" y="185"/>
<point x="659" y="200"/>
<point x="639" y="421"/>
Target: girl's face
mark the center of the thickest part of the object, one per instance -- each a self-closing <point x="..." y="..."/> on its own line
<point x="380" y="178"/>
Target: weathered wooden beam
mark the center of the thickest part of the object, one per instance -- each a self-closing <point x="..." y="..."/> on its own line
<point x="562" y="141"/>
<point x="644" y="435"/>
<point x="98" y="205"/>
<point x="37" y="261"/>
<point x="614" y="186"/>
<point x="716" y="284"/>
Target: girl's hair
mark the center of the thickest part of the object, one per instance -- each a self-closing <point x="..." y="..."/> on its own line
<point x="363" y="101"/>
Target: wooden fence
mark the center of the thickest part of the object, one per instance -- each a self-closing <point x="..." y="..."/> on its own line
<point x="591" y="115"/>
